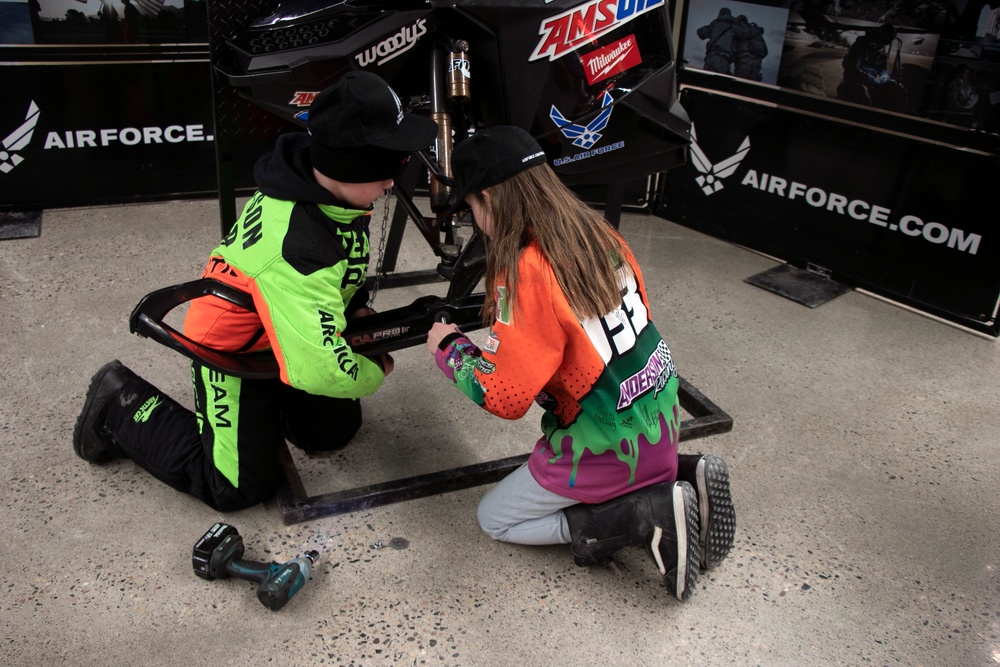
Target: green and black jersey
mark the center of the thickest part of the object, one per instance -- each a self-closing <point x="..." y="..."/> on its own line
<point x="303" y="256"/>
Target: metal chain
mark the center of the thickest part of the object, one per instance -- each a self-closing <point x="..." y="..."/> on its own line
<point x="381" y="249"/>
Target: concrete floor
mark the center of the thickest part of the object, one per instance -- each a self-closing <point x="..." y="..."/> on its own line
<point x="863" y="458"/>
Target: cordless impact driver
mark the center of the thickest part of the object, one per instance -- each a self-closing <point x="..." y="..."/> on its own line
<point x="219" y="555"/>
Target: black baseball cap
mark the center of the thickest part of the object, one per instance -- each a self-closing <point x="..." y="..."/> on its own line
<point x="360" y="133"/>
<point x="491" y="156"/>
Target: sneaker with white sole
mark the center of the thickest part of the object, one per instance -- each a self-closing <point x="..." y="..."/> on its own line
<point x="709" y="475"/>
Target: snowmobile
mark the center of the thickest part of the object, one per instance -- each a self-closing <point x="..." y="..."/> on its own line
<point x="593" y="81"/>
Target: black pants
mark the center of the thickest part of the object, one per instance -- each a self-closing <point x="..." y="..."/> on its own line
<point x="226" y="452"/>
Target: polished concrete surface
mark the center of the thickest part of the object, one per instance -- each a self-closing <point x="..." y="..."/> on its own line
<point x="863" y="458"/>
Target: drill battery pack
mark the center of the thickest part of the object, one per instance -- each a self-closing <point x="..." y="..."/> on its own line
<point x="221" y="544"/>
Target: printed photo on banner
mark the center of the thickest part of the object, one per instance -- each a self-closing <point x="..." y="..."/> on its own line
<point x="964" y="86"/>
<point x="119" y="21"/>
<point x="15" y="22"/>
<point x="868" y="63"/>
<point x="740" y="39"/>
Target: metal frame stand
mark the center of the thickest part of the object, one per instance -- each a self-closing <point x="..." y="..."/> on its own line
<point x="296" y="505"/>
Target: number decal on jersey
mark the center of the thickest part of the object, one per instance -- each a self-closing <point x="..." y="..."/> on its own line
<point x="616" y="333"/>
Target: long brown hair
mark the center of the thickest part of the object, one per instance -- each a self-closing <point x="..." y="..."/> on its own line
<point x="585" y="252"/>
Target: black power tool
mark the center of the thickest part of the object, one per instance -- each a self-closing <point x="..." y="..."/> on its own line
<point x="219" y="555"/>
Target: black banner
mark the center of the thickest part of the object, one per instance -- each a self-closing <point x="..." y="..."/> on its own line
<point x="894" y="214"/>
<point x="91" y="132"/>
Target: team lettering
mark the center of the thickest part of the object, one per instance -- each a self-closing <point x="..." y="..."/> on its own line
<point x="219" y="393"/>
<point x="219" y="265"/>
<point x="250" y="227"/>
<point x="658" y="370"/>
<point x="600" y="150"/>
<point x="331" y="338"/>
<point x="356" y="246"/>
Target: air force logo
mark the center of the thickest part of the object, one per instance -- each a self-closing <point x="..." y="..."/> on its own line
<point x="712" y="175"/>
<point x="587" y="135"/>
<point x="18" y="140"/>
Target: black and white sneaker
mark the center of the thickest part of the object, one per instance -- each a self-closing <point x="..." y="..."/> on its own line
<point x="717" y="516"/>
<point x="662" y="518"/>
<point x="673" y="544"/>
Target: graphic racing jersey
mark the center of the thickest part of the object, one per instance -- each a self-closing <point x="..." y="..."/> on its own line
<point x="607" y="385"/>
<point x="303" y="257"/>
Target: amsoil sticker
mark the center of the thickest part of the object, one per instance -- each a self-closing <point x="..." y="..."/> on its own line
<point x="581" y="25"/>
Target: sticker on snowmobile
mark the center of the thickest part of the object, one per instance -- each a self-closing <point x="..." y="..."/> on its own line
<point x="393" y="46"/>
<point x="460" y="65"/>
<point x="303" y="98"/>
<point x="587" y="135"/>
<point x="610" y="60"/>
<point x="581" y="25"/>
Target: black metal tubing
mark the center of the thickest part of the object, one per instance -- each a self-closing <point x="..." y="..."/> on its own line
<point x="296" y="505"/>
<point x="146" y="320"/>
<point x="407" y="278"/>
<point x="369" y="335"/>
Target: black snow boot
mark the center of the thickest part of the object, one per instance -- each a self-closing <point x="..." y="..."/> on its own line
<point x="662" y="518"/>
<point x="709" y="475"/>
<point x="91" y="440"/>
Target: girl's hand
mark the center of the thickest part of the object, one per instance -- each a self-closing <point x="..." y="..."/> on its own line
<point x="437" y="333"/>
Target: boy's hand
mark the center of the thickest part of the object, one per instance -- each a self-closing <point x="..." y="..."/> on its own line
<point x="437" y="333"/>
<point x="387" y="363"/>
<point x="363" y="311"/>
<point x="384" y="360"/>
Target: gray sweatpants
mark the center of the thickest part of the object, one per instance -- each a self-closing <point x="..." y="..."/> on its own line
<point x="519" y="510"/>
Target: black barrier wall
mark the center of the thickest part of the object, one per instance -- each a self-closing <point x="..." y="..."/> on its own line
<point x="105" y="101"/>
<point x="857" y="140"/>
<point x="894" y="214"/>
<point x="101" y="133"/>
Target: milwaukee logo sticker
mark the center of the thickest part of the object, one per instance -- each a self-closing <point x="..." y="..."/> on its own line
<point x="612" y="59"/>
<point x="581" y="25"/>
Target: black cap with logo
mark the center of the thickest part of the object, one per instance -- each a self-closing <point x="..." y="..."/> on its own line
<point x="491" y="156"/>
<point x="360" y="133"/>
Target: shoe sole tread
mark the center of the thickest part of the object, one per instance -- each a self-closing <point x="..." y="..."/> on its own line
<point x="718" y="514"/>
